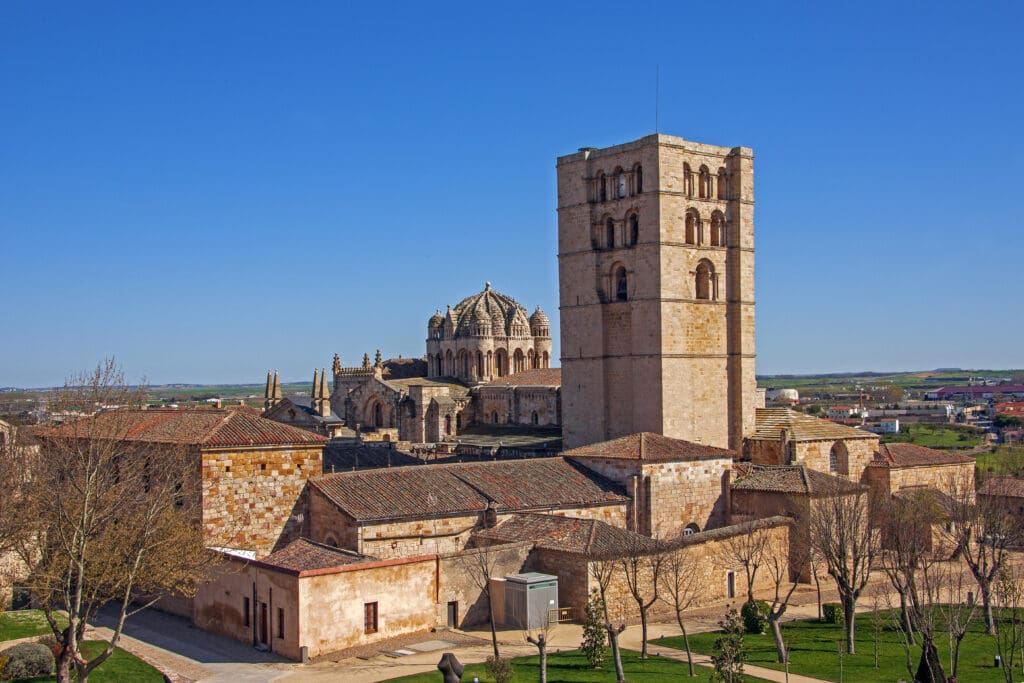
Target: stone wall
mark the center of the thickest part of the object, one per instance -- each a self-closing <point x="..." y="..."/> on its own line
<point x="516" y="405"/>
<point x="814" y="454"/>
<point x="254" y="498"/>
<point x="333" y="604"/>
<point x="940" y="477"/>
<point x="461" y="573"/>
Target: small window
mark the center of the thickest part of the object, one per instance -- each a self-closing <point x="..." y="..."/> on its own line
<point x="609" y="234"/>
<point x="535" y="418"/>
<point x="634" y="229"/>
<point x="246" y="619"/>
<point x="690" y="529"/>
<point x="370" y="617"/>
<point x="602" y="188"/>
<point x="622" y="185"/>
<point x="621" y="284"/>
<point x="494" y="417"/>
<point x="705" y="281"/>
<point x="638" y="175"/>
<point x="730" y="584"/>
<point x="263" y="467"/>
<point x="280" y="622"/>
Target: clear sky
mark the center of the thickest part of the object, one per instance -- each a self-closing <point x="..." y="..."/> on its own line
<point x="211" y="190"/>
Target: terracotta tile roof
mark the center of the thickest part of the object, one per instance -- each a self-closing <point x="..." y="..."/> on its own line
<point x="545" y="377"/>
<point x="404" y="368"/>
<point x="589" y="537"/>
<point x="910" y="455"/>
<point x="202" y="427"/>
<point x="466" y="488"/>
<point x="797" y="479"/>
<point x="769" y="423"/>
<point x="649" y="447"/>
<point x="1006" y="487"/>
<point x="303" y="555"/>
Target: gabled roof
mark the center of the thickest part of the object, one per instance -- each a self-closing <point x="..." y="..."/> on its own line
<point x="910" y="455"/>
<point x="796" y="479"/>
<point x="194" y="427"/>
<point x="769" y="423"/>
<point x="589" y="537"/>
<point x="649" y="447"/>
<point x="544" y="377"/>
<point x="466" y="488"/>
<point x="1006" y="487"/>
<point x="303" y="555"/>
<point x="304" y="404"/>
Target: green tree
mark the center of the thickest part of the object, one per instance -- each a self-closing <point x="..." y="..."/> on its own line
<point x="594" y="636"/>
<point x="729" y="651"/>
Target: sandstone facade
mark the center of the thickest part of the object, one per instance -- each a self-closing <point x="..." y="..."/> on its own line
<point x="656" y="268"/>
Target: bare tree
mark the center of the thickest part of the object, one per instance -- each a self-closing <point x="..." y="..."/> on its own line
<point x="958" y="613"/>
<point x="747" y="551"/>
<point x="101" y="519"/>
<point x="540" y="640"/>
<point x="602" y="571"/>
<point x="682" y="585"/>
<point x="641" y="568"/>
<point x="982" y="531"/>
<point x="1008" y="591"/>
<point x="480" y="564"/>
<point x="911" y="562"/>
<point x="777" y="557"/>
<point x="839" y="529"/>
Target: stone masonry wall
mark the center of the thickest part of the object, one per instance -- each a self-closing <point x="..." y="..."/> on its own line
<point x="254" y="499"/>
<point x="684" y="493"/>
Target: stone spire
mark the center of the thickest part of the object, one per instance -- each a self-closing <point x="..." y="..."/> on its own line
<point x="336" y="368"/>
<point x="316" y="386"/>
<point x="276" y="396"/>
<point x="377" y="362"/>
<point x="267" y="395"/>
<point x="321" y="399"/>
<point x="366" y="361"/>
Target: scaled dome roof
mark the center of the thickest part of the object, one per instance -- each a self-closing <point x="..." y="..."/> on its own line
<point x="501" y="309"/>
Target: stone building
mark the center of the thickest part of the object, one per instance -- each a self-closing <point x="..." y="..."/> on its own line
<point x="250" y="472"/>
<point x="486" y="336"/>
<point x="313" y="412"/>
<point x="656" y="284"/>
<point x="899" y="466"/>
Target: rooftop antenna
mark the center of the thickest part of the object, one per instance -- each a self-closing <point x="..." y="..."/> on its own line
<point x="657" y="79"/>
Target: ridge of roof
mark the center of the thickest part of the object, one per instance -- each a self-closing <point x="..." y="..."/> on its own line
<point x="769" y="424"/>
<point x="649" y="447"/>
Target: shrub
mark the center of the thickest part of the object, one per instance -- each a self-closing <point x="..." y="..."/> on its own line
<point x="499" y="668"/>
<point x="594" y="636"/>
<point x="754" y="619"/>
<point x="832" y="613"/>
<point x="27" y="660"/>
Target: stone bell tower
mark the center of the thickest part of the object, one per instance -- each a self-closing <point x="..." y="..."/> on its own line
<point x="656" y="286"/>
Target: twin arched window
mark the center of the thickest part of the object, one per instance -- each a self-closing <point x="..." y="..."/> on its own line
<point x="694" y="230"/>
<point x="623" y="183"/>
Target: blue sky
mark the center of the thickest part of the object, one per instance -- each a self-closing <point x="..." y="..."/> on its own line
<point x="209" y="190"/>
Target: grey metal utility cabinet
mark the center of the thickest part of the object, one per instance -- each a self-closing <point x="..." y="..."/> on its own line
<point x="528" y="599"/>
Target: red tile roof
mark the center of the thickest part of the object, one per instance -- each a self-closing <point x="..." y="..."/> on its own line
<point x="588" y="537"/>
<point x="545" y="377"/>
<point x="466" y="488"/>
<point x="910" y="455"/>
<point x="304" y="555"/>
<point x="649" y="447"/>
<point x="1005" y="487"/>
<point x="206" y="427"/>
<point x="791" y="479"/>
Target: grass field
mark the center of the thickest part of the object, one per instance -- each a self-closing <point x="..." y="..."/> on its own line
<point x="814" y="652"/>
<point x="572" y="667"/>
<point x="936" y="436"/>
<point x="23" y="624"/>
<point x="121" y="666"/>
<point x="1007" y="460"/>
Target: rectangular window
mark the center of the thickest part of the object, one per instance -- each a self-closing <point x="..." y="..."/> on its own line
<point x="370" y="617"/>
<point x="280" y="622"/>
<point x="245" y="611"/>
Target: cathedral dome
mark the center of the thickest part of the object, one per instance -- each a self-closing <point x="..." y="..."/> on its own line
<point x="539" y="318"/>
<point x="436" y="320"/>
<point x="499" y="309"/>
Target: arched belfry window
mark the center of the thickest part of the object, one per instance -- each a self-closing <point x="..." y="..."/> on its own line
<point x="717" y="229"/>
<point x="638" y="178"/>
<point x="602" y="187"/>
<point x="634" y="229"/>
<point x="687" y="180"/>
<point x="609" y="234"/>
<point x="705" y="182"/>
<point x="691" y="227"/>
<point x="621" y="283"/>
<point x="706" y="284"/>
<point x="723" y="184"/>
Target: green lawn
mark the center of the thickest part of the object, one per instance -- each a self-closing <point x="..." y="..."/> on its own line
<point x="814" y="652"/>
<point x="1007" y="459"/>
<point x="572" y="667"/>
<point x="22" y="624"/>
<point x="936" y="436"/>
<point x="120" y="666"/>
